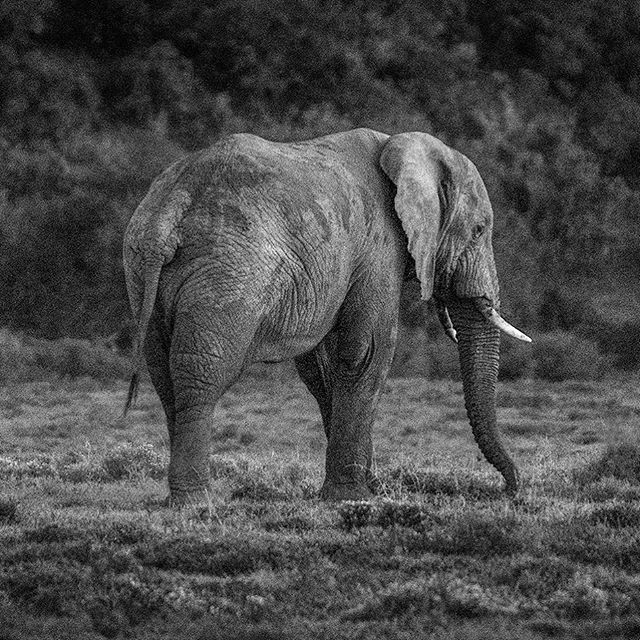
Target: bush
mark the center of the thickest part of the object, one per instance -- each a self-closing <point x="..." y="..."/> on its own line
<point x="560" y="355"/>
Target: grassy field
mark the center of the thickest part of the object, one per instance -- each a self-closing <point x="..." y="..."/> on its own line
<point x="87" y="549"/>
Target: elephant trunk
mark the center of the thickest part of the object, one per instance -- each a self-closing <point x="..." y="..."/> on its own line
<point x="479" y="352"/>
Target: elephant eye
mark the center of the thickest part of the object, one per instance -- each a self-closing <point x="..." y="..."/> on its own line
<point x="478" y="230"/>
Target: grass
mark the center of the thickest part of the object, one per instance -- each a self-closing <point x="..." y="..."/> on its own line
<point x="89" y="550"/>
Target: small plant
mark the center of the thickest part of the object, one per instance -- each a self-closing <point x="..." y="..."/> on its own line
<point x="356" y="514"/>
<point x="404" y="514"/>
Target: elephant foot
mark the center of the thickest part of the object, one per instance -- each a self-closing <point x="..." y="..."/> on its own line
<point x="336" y="492"/>
<point x="191" y="498"/>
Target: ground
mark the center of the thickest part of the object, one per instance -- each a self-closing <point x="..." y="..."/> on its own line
<point x="88" y="549"/>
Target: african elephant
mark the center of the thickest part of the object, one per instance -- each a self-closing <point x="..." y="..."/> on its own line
<point x="260" y="251"/>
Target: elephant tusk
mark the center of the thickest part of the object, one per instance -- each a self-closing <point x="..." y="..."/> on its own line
<point x="445" y="321"/>
<point x="494" y="318"/>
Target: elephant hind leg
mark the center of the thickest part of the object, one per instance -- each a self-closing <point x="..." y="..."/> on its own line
<point x="207" y="355"/>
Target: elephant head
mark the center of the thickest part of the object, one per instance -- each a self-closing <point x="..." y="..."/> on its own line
<point x="446" y="215"/>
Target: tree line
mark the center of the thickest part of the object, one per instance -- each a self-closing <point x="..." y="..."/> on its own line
<point x="96" y="98"/>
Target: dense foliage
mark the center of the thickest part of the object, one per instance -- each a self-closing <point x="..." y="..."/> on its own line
<point x="545" y="97"/>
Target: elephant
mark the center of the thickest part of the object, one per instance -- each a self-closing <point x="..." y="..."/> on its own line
<point x="259" y="251"/>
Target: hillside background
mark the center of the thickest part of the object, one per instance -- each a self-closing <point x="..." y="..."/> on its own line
<point x="97" y="98"/>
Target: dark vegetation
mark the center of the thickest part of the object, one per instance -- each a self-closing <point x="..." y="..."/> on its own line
<point x="95" y="99"/>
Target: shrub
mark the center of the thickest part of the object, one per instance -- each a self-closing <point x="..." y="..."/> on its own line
<point x="560" y="355"/>
<point x="405" y="514"/>
<point x="355" y="514"/>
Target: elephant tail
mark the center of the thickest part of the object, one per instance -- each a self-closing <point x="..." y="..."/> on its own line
<point x="151" y="280"/>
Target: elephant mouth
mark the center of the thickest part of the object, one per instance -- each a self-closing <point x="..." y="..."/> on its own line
<point x="486" y="310"/>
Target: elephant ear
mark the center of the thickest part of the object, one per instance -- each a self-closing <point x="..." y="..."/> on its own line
<point x="419" y="166"/>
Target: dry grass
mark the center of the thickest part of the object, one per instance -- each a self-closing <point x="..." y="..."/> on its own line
<point x="87" y="548"/>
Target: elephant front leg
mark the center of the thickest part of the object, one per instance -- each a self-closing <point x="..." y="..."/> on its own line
<point x="360" y="363"/>
<point x="350" y="443"/>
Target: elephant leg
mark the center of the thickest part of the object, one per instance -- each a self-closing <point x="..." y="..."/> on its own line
<point x="360" y="356"/>
<point x="207" y="355"/>
<point x="156" y="350"/>
<point x="314" y="372"/>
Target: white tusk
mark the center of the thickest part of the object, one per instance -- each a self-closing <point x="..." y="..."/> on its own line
<point x="498" y="321"/>
<point x="493" y="317"/>
<point x="445" y="321"/>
